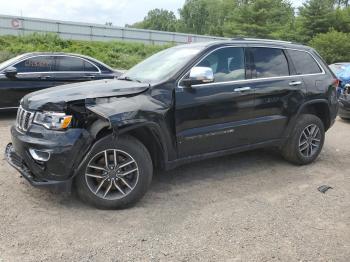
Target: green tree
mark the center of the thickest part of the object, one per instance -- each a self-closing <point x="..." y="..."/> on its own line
<point x="205" y="17"/>
<point x="158" y="19"/>
<point x="333" y="46"/>
<point x="342" y="20"/>
<point x="194" y="15"/>
<point x="316" y="16"/>
<point x="260" y="18"/>
<point x="340" y="3"/>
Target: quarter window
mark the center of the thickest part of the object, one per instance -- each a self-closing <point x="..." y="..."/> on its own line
<point x="88" y="67"/>
<point x="36" y="64"/>
<point x="304" y="63"/>
<point x="227" y="64"/>
<point x="269" y="62"/>
<point x="72" y="64"/>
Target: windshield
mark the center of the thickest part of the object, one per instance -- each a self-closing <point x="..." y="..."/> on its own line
<point x="5" y="64"/>
<point x="162" y="65"/>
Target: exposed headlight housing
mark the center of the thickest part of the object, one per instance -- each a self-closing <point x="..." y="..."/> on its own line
<point x="53" y="120"/>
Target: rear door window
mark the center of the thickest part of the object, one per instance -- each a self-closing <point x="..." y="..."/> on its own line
<point x="269" y="62"/>
<point x="73" y="64"/>
<point x="304" y="63"/>
<point x="36" y="64"/>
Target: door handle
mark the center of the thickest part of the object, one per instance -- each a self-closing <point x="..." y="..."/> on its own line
<point x="295" y="83"/>
<point x="242" y="89"/>
<point x="45" y="77"/>
<point x="90" y="76"/>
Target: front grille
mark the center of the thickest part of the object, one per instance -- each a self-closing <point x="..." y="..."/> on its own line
<point x="24" y="119"/>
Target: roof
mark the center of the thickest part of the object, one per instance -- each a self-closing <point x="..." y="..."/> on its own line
<point x="268" y="42"/>
<point x="55" y="53"/>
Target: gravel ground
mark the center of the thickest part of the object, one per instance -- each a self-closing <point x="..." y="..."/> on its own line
<point x="251" y="206"/>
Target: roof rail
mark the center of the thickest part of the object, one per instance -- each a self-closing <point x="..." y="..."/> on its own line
<point x="261" y="39"/>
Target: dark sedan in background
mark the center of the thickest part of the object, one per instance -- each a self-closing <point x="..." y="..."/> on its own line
<point x="35" y="71"/>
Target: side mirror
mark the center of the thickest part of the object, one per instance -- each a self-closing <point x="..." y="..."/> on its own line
<point x="199" y="75"/>
<point x="10" y="72"/>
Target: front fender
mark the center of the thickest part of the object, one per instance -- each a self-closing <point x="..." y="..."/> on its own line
<point x="126" y="114"/>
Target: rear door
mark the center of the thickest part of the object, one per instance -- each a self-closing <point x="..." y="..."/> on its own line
<point x="33" y="74"/>
<point x="278" y="92"/>
<point x="71" y="69"/>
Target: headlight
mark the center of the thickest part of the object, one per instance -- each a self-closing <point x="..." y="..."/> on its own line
<point x="52" y="120"/>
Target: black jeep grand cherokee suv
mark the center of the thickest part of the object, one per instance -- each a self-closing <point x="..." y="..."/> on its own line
<point x="183" y="104"/>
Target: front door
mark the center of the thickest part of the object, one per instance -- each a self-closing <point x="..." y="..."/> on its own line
<point x="215" y="116"/>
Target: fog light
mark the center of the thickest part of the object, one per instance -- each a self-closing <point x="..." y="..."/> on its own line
<point x="39" y="155"/>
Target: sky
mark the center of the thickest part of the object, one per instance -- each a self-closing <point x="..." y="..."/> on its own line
<point x="119" y="12"/>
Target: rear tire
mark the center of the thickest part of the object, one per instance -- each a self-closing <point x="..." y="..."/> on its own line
<point x="306" y="141"/>
<point x="125" y="175"/>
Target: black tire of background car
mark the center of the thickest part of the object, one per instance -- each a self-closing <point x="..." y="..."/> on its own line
<point x="290" y="150"/>
<point x="143" y="159"/>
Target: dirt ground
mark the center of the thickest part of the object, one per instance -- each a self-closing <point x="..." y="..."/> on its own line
<point x="251" y="206"/>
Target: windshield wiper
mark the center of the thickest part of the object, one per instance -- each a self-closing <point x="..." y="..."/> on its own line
<point x="126" y="78"/>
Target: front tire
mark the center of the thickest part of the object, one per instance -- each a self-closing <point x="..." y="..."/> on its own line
<point x="115" y="175"/>
<point x="306" y="141"/>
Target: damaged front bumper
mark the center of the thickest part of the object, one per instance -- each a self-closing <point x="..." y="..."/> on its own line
<point x="65" y="150"/>
<point x="18" y="163"/>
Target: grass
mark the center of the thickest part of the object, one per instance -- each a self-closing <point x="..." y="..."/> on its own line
<point x="117" y="54"/>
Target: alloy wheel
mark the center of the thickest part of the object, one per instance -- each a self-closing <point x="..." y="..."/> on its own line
<point x="112" y="174"/>
<point x="310" y="141"/>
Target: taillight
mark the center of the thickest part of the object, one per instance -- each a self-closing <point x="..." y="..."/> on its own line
<point x="336" y="83"/>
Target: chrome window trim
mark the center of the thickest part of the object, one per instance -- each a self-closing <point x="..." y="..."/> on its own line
<point x="11" y="107"/>
<point x="55" y="72"/>
<point x="98" y="69"/>
<point x="319" y="65"/>
<point x="253" y="79"/>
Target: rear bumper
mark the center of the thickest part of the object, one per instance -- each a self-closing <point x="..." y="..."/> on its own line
<point x="344" y="111"/>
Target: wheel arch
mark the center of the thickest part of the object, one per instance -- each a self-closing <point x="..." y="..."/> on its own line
<point x="148" y="133"/>
<point x="318" y="107"/>
<point x="150" y="136"/>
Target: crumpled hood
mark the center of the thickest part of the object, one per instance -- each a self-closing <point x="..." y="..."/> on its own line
<point x="56" y="98"/>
